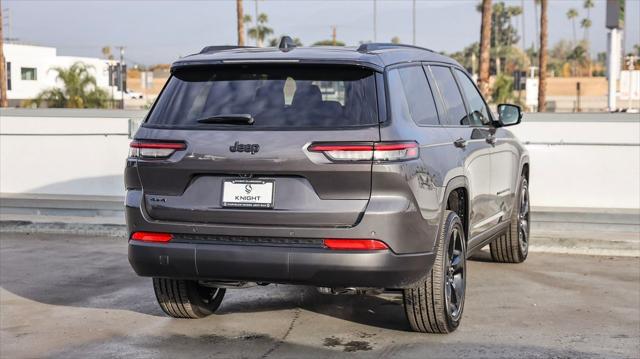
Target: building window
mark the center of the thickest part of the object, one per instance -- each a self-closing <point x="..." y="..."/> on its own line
<point x="8" y="76"/>
<point x="28" y="73"/>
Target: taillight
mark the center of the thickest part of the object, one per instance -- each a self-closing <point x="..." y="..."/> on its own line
<point x="144" y="149"/>
<point x="369" y="151"/>
<point x="152" y="237"/>
<point x="354" y="244"/>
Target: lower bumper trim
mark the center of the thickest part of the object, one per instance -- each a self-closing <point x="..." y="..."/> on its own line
<point x="277" y="264"/>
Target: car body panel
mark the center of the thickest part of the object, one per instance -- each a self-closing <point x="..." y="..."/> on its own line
<point x="398" y="203"/>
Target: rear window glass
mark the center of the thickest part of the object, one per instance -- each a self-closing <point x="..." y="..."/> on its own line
<point x="275" y="96"/>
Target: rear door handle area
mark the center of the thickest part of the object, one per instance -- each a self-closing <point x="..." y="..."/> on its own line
<point x="460" y="143"/>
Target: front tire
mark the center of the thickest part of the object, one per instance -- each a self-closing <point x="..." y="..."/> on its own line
<point x="513" y="245"/>
<point x="435" y="304"/>
<point x="186" y="298"/>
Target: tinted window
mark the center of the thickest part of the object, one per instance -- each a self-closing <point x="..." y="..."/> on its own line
<point x="276" y="96"/>
<point x="457" y="113"/>
<point x="411" y="96"/>
<point x="478" y="109"/>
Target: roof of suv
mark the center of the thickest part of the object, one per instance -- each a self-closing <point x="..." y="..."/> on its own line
<point x="375" y="56"/>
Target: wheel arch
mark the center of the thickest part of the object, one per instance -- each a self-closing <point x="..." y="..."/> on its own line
<point x="456" y="199"/>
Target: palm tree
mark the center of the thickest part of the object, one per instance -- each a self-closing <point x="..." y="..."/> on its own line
<point x="578" y="56"/>
<point x="485" y="47"/>
<point x="572" y="14"/>
<point x="588" y="4"/>
<point x="542" y="85"/>
<point x="240" y="22"/>
<point x="586" y="24"/>
<point x="260" y="31"/>
<point x="79" y="89"/>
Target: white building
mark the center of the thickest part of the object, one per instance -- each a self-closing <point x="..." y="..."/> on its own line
<point x="29" y="70"/>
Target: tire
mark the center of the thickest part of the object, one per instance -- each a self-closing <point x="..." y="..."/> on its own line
<point x="186" y="298"/>
<point x="513" y="245"/>
<point x="429" y="304"/>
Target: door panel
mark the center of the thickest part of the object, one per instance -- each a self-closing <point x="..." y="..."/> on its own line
<point x="474" y="155"/>
<point x="504" y="172"/>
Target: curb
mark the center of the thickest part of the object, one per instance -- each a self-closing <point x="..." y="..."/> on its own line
<point x="83" y="229"/>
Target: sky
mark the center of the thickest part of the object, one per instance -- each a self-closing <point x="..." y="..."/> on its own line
<point x="162" y="31"/>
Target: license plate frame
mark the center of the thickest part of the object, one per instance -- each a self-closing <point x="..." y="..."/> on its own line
<point x="235" y="193"/>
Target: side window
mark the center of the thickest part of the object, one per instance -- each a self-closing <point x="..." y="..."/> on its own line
<point x="411" y="96"/>
<point x="450" y="95"/>
<point x="479" y="114"/>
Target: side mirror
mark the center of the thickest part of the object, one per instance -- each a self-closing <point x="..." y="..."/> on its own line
<point x="509" y="115"/>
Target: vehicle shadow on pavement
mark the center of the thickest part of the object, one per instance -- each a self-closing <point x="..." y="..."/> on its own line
<point x="384" y="312"/>
<point x="76" y="271"/>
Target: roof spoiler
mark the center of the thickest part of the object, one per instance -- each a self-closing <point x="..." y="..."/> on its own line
<point x="384" y="46"/>
<point x="210" y="49"/>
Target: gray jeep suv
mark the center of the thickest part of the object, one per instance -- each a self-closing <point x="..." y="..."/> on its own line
<point x="350" y="169"/>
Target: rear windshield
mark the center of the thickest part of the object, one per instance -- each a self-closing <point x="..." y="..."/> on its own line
<point x="300" y="96"/>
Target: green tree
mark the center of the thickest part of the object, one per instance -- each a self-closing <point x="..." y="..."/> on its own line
<point x="572" y="14"/>
<point x="328" y="43"/>
<point x="465" y="57"/>
<point x="588" y="5"/>
<point x="79" y="89"/>
<point x="586" y="24"/>
<point x="503" y="33"/>
<point x="502" y="89"/>
<point x="261" y="31"/>
<point x="578" y="57"/>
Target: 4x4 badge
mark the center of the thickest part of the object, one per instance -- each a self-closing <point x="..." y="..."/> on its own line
<point x="251" y="148"/>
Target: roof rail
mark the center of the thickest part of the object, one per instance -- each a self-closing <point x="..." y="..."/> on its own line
<point x="385" y="45"/>
<point x="286" y="43"/>
<point x="208" y="49"/>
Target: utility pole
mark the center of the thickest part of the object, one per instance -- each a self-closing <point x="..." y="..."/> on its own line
<point x="3" y="68"/>
<point x="333" y="35"/>
<point x="240" y="22"/>
<point x="375" y="20"/>
<point x="414" y="22"/>
<point x="8" y="14"/>
<point x="122" y="75"/>
<point x="524" y="29"/>
<point x="614" y="22"/>
<point x="256" y="24"/>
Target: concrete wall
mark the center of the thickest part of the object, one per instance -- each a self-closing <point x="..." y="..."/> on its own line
<point x="578" y="160"/>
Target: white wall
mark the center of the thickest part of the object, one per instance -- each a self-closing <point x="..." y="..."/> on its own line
<point x="57" y="155"/>
<point x="83" y="152"/>
<point x="598" y="164"/>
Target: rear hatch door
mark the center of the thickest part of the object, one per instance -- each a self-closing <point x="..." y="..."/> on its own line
<point x="245" y="132"/>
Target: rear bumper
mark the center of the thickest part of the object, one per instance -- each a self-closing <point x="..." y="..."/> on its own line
<point x="278" y="264"/>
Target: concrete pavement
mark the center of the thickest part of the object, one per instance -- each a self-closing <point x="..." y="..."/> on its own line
<point x="77" y="297"/>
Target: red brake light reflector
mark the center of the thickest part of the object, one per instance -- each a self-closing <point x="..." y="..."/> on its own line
<point x="143" y="149"/>
<point x="152" y="237"/>
<point x="168" y="145"/>
<point x="372" y="151"/>
<point x="354" y="244"/>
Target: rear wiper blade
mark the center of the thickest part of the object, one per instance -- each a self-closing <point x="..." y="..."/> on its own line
<point x="229" y="119"/>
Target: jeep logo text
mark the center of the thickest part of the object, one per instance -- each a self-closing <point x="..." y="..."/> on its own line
<point x="237" y="147"/>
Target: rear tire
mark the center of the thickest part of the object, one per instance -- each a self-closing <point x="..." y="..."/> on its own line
<point x="435" y="304"/>
<point x="513" y="245"/>
<point x="186" y="298"/>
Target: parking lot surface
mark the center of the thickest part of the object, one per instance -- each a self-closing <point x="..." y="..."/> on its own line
<point x="77" y="297"/>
